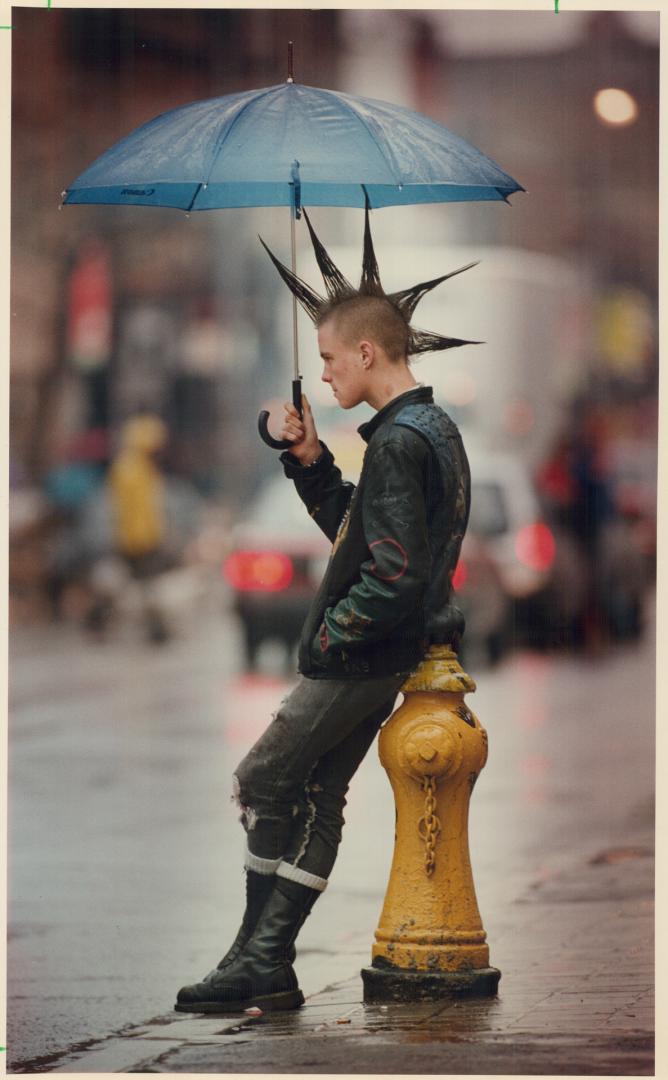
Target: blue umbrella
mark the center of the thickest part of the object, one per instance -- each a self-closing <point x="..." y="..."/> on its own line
<point x="290" y="145"/>
<point x="255" y="148"/>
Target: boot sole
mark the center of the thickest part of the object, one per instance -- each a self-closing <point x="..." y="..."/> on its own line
<point x="269" y="1003"/>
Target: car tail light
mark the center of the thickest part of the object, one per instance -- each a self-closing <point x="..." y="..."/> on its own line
<point x="460" y="576"/>
<point x="259" y="571"/>
<point x="535" y="546"/>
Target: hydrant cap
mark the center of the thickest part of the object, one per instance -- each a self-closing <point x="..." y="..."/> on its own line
<point x="430" y="749"/>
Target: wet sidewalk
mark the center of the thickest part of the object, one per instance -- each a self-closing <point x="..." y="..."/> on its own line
<point x="129" y="889"/>
<point x="575" y="1000"/>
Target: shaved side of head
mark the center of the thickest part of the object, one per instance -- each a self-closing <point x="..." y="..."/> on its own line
<point x="369" y="318"/>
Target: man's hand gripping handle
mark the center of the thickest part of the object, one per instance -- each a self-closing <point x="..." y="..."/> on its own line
<point x="263" y="420"/>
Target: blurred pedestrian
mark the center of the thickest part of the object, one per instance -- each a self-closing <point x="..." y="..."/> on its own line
<point x="137" y="489"/>
<point x="592" y="510"/>
<point x="70" y="484"/>
<point x="555" y="481"/>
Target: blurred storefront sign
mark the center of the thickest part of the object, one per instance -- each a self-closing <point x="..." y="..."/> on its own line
<point x="89" y="310"/>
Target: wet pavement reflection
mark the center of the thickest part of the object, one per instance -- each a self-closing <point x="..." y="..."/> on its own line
<point x="126" y="854"/>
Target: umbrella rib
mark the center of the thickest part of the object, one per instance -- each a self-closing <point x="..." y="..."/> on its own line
<point x="223" y="140"/>
<point x="392" y="163"/>
<point x="192" y="201"/>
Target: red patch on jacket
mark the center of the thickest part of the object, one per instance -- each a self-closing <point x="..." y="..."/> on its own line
<point x="402" y="554"/>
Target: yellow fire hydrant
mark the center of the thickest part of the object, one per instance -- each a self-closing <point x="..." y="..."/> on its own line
<point x="430" y="941"/>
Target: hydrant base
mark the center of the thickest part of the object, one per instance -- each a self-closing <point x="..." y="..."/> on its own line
<point x="386" y="983"/>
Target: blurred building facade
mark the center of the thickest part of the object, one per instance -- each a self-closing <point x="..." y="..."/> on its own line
<point x="117" y="309"/>
<point x="155" y="332"/>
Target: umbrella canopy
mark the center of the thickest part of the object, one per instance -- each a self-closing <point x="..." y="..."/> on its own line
<point x="290" y="145"/>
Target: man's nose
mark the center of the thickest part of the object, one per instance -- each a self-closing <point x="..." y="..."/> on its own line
<point x="326" y="377"/>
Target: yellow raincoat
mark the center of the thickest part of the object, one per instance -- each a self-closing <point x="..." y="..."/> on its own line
<point x="137" y="487"/>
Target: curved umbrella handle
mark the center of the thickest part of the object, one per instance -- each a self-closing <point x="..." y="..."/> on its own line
<point x="263" y="418"/>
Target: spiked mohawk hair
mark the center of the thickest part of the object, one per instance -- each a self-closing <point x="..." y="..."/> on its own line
<point x="339" y="290"/>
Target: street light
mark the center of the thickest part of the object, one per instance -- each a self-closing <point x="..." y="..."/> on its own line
<point x="615" y="107"/>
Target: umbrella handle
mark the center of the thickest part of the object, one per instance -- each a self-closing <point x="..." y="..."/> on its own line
<point x="263" y="418"/>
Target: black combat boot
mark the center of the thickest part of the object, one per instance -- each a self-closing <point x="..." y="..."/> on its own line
<point x="262" y="975"/>
<point x="258" y="891"/>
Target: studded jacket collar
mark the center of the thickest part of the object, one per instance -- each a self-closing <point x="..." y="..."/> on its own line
<point x="409" y="397"/>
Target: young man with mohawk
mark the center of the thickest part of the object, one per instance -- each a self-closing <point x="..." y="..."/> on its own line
<point x="385" y="596"/>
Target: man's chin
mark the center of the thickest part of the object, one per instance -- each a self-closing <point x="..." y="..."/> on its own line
<point x="348" y="403"/>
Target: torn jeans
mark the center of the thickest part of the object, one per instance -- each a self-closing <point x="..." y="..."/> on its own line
<point x="292" y="784"/>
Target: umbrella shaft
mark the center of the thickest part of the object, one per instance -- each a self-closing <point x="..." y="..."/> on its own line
<point x="295" y="336"/>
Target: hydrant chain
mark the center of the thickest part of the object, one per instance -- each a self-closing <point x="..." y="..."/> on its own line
<point x="429" y="827"/>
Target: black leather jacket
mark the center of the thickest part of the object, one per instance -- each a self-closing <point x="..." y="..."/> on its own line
<point x="396" y="538"/>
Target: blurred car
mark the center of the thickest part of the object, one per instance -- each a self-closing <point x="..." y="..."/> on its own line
<point x="481" y="596"/>
<point x="518" y="578"/>
<point x="278" y="559"/>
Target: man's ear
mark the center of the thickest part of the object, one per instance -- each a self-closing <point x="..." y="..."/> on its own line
<point x="367" y="353"/>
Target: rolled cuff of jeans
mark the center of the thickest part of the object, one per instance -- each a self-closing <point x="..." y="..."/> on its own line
<point x="259" y="865"/>
<point x="295" y="873"/>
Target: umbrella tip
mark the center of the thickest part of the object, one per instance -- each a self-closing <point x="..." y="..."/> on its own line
<point x="291" y="74"/>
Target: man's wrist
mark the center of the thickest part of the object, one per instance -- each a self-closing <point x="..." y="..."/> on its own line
<point x="296" y="467"/>
<point x="310" y="458"/>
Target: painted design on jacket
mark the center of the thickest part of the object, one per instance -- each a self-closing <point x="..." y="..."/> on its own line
<point x="404" y="557"/>
<point x="343" y="530"/>
<point x="353" y="622"/>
